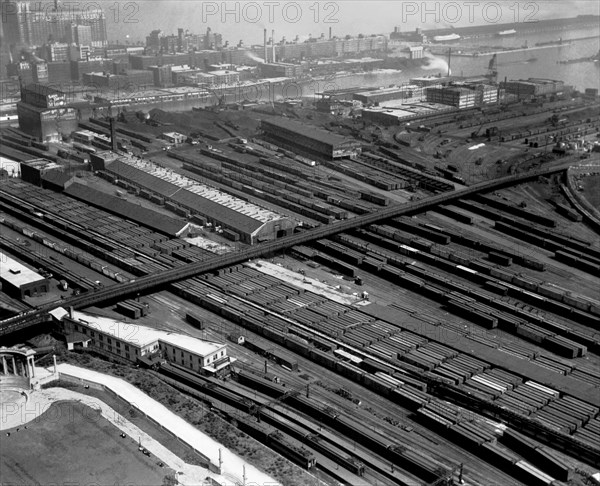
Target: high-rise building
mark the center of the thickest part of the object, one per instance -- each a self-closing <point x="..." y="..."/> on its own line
<point x="79" y="34"/>
<point x="33" y="23"/>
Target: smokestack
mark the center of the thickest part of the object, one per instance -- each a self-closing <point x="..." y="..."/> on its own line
<point x="330" y="33"/>
<point x="449" y="59"/>
<point x="265" y="33"/>
<point x="273" y="43"/>
<point x="113" y="135"/>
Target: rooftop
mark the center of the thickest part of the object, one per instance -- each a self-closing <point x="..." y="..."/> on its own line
<point x="141" y="336"/>
<point x="205" y="199"/>
<point x="16" y="273"/>
<point x="42" y="164"/>
<point x="151" y="219"/>
<point x="307" y="131"/>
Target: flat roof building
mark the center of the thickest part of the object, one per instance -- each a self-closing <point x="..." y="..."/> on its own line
<point x="19" y="280"/>
<point x="128" y="342"/>
<point x="306" y="139"/>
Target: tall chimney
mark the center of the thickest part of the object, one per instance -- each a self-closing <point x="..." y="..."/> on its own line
<point x="113" y="135"/>
<point x="273" y="43"/>
<point x="329" y="32"/>
<point x="265" y="33"/>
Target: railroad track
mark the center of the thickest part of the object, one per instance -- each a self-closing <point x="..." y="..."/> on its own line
<point x="175" y="274"/>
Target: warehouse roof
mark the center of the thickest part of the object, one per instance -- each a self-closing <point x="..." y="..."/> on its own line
<point x="312" y="132"/>
<point x="214" y="204"/>
<point x="190" y="343"/>
<point x="144" y="216"/>
<point x="141" y="336"/>
<point x="16" y="273"/>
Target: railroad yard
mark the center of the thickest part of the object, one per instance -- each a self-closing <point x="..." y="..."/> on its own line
<point x="384" y="339"/>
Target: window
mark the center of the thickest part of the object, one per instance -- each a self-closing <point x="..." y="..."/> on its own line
<point x="118" y="344"/>
<point x="136" y="351"/>
<point x="109" y="340"/>
<point x="222" y="353"/>
<point x="101" y="336"/>
<point x="127" y="347"/>
<point x="127" y="355"/>
<point x="92" y="333"/>
<point x="76" y="327"/>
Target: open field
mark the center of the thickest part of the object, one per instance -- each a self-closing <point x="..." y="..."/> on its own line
<point x="71" y="443"/>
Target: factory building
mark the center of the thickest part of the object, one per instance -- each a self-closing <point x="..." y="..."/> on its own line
<point x="115" y="339"/>
<point x="305" y="139"/>
<point x="387" y="94"/>
<point x="463" y="95"/>
<point x="162" y="75"/>
<point x="44" y="114"/>
<point x="251" y="222"/>
<point x="19" y="280"/>
<point x="453" y="96"/>
<point x="33" y="171"/>
<point x="280" y="70"/>
<point x="533" y="87"/>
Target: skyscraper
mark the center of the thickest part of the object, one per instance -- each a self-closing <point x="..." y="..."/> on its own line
<point x="33" y="23"/>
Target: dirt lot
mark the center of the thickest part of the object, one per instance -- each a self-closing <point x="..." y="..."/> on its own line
<point x="64" y="445"/>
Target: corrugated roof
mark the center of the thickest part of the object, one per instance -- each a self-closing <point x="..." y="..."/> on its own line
<point x="213" y="210"/>
<point x="308" y="131"/>
<point x="144" y="216"/>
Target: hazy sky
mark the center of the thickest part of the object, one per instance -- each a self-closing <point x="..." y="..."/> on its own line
<point x="247" y="19"/>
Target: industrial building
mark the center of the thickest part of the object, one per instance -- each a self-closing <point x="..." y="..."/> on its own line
<point x="158" y="222"/>
<point x="280" y="70"/>
<point x="372" y="97"/>
<point x="33" y="171"/>
<point x="533" y="87"/>
<point x="304" y="139"/>
<point x="251" y="222"/>
<point x="463" y="95"/>
<point x="453" y="96"/>
<point x="115" y="339"/>
<point x="19" y="280"/>
<point x="44" y="114"/>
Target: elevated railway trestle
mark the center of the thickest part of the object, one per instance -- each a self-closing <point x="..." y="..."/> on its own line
<point x="141" y="284"/>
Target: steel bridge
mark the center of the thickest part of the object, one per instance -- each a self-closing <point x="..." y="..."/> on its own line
<point x="40" y="315"/>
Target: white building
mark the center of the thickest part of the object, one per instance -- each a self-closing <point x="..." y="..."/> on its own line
<point x="133" y="342"/>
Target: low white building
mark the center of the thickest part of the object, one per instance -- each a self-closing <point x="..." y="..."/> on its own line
<point x="133" y="342"/>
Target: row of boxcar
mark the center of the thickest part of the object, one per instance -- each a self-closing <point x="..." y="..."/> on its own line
<point x="54" y="266"/>
<point x="490" y="313"/>
<point x="569" y="305"/>
<point x="568" y="212"/>
<point x="372" y="177"/>
<point x="380" y="383"/>
<point x="534" y="232"/>
<point x="267" y="435"/>
<point x="417" y="177"/>
<point x="515" y="210"/>
<point x="101" y="246"/>
<point x="420" y="464"/>
<point x="454" y="214"/>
